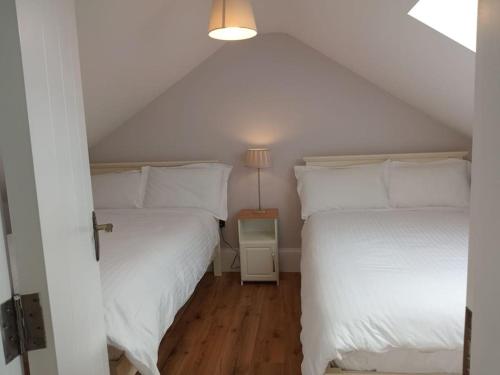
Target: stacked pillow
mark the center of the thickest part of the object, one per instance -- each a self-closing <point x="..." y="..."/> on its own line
<point x="391" y="184"/>
<point x="201" y="186"/>
<point x="118" y="190"/>
<point x="432" y="184"/>
<point x="322" y="189"/>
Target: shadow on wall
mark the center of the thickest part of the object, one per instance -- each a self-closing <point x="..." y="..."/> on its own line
<point x="277" y="92"/>
<point x="4" y="206"/>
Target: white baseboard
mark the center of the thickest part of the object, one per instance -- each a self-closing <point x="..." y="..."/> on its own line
<point x="289" y="260"/>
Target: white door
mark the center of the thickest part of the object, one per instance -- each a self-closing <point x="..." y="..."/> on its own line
<point x="45" y="157"/>
<point x="14" y="366"/>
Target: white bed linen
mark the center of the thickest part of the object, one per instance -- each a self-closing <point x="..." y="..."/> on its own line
<point x="150" y="265"/>
<point x="376" y="281"/>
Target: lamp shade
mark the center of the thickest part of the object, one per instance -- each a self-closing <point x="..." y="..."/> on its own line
<point x="258" y="158"/>
<point x="232" y="20"/>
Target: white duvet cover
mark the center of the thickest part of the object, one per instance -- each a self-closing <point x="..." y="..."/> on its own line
<point x="150" y="265"/>
<point x="383" y="280"/>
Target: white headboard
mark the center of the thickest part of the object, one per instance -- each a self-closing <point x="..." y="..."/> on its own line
<point x="348" y="160"/>
<point x="101" y="168"/>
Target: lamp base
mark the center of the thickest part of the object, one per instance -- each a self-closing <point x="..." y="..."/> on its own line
<point x="261" y="211"/>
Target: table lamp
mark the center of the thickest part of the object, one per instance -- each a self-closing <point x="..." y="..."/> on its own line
<point x="258" y="158"/>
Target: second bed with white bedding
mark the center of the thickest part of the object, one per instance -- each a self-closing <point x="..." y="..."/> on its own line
<point x="150" y="266"/>
<point x="384" y="290"/>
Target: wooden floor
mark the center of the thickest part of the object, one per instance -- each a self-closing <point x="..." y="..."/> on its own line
<point x="227" y="328"/>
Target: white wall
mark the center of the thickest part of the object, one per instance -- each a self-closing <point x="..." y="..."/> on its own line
<point x="274" y="91"/>
<point x="484" y="265"/>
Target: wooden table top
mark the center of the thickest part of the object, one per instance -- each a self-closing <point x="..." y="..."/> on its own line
<point x="267" y="213"/>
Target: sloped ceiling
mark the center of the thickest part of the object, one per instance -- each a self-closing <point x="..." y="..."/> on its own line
<point x="132" y="51"/>
<point x="379" y="41"/>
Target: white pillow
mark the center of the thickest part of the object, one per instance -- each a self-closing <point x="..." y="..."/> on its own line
<point x="118" y="190"/>
<point x="429" y="184"/>
<point x="322" y="189"/>
<point x="192" y="186"/>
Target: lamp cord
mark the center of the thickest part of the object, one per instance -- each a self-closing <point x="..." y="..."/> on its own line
<point x="258" y="181"/>
<point x="236" y="252"/>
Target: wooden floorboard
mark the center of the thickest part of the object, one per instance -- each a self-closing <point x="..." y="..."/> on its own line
<point x="227" y="328"/>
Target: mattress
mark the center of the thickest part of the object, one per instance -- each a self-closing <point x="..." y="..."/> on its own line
<point x="382" y="285"/>
<point x="150" y="265"/>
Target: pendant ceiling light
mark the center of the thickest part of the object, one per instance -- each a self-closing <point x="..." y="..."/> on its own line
<point x="232" y="20"/>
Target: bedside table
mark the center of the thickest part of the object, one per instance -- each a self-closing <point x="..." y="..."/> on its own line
<point x="258" y="237"/>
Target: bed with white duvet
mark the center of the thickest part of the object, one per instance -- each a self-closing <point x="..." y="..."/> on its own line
<point x="384" y="290"/>
<point x="384" y="263"/>
<point x="150" y="266"/>
<point x="165" y="234"/>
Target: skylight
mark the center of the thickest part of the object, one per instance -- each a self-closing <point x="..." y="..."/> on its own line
<point x="457" y="19"/>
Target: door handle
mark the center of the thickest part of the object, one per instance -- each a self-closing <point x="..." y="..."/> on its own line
<point x="105" y="227"/>
<point x="98" y="227"/>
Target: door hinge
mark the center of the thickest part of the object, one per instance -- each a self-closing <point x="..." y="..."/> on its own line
<point x="21" y="322"/>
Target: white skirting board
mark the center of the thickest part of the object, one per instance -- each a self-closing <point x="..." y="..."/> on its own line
<point x="289" y="260"/>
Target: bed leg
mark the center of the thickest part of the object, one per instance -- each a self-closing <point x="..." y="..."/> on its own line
<point x="122" y="367"/>
<point x="333" y="370"/>
<point x="217" y="261"/>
